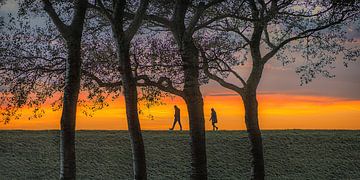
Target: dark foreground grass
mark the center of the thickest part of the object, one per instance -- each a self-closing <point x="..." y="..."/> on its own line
<point x="291" y="154"/>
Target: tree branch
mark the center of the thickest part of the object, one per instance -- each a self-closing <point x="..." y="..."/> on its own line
<point x="63" y="28"/>
<point x="159" y="20"/>
<point x="139" y="16"/>
<point x="217" y="18"/>
<point x="99" y="7"/>
<point x="303" y="34"/>
<point x="79" y="16"/>
<point x="100" y="82"/>
<point x="267" y="38"/>
<point x="147" y="82"/>
<point x="159" y="84"/>
<point x="194" y="20"/>
<point x="221" y="81"/>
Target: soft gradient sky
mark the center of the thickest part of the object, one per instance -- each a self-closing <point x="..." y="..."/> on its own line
<point x="284" y="104"/>
<point x="277" y="111"/>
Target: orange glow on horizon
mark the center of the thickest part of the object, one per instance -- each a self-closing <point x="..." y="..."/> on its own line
<point x="276" y="111"/>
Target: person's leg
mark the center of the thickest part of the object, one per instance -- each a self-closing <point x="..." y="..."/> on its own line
<point x="180" y="125"/>
<point x="213" y="124"/>
<point x="172" y="128"/>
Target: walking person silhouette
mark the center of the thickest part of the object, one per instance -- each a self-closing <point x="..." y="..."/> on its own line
<point x="213" y="119"/>
<point x="176" y="118"/>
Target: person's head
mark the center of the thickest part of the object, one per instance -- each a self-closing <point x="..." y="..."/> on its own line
<point x="175" y="107"/>
<point x="212" y="109"/>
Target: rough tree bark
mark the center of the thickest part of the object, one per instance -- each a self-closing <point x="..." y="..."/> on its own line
<point x="263" y="16"/>
<point x="192" y="94"/>
<point x="130" y="93"/>
<point x="249" y="97"/>
<point x="251" y="105"/>
<point x="68" y="117"/>
<point x="123" y="40"/>
<point x="72" y="34"/>
<point x="195" y="106"/>
<point x="254" y="134"/>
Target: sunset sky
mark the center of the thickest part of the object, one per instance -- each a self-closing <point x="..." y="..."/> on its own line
<point x="277" y="111"/>
<point x="283" y="103"/>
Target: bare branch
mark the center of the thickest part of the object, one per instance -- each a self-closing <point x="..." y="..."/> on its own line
<point x="267" y="38"/>
<point x="158" y="20"/>
<point x="310" y="15"/>
<point x="301" y="35"/>
<point x="194" y="20"/>
<point x="99" y="7"/>
<point x="99" y="81"/>
<point x="221" y="81"/>
<point x="139" y="16"/>
<point x="63" y="28"/>
<point x="217" y="18"/>
<point x="160" y="85"/>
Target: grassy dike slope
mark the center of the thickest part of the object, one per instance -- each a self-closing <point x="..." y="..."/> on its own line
<point x="290" y="154"/>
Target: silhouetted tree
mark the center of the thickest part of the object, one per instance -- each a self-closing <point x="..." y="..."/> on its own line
<point x="26" y="70"/>
<point x="188" y="68"/>
<point x="191" y="91"/>
<point x="123" y="32"/>
<point x="169" y="60"/>
<point x="180" y="41"/>
<point x="35" y="62"/>
<point x="183" y="18"/>
<point x="268" y="28"/>
<point x="72" y="34"/>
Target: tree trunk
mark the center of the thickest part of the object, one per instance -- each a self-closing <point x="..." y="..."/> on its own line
<point x="254" y="134"/>
<point x="139" y="161"/>
<point x="131" y="100"/>
<point x="195" y="106"/>
<point x="68" y="117"/>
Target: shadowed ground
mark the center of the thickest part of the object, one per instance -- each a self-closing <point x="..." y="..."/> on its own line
<point x="293" y="154"/>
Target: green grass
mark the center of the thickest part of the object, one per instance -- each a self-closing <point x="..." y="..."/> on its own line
<point x="293" y="154"/>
